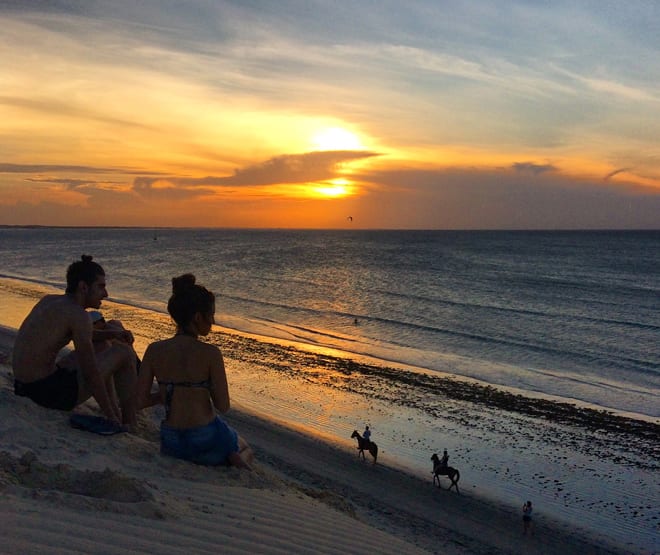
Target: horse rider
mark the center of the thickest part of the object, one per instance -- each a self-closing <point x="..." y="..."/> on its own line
<point x="366" y="436"/>
<point x="444" y="460"/>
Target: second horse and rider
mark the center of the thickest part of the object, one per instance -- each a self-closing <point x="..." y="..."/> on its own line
<point x="440" y="465"/>
<point x="442" y="468"/>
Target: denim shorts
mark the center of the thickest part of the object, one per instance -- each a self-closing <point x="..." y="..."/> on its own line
<point x="209" y="445"/>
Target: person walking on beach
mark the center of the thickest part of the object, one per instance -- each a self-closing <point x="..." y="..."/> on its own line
<point x="192" y="384"/>
<point x="527" y="517"/>
<point x="69" y="381"/>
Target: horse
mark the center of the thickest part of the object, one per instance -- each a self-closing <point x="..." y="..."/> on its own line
<point x="452" y="473"/>
<point x="365" y="444"/>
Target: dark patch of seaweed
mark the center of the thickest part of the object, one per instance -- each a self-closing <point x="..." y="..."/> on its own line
<point x="360" y="377"/>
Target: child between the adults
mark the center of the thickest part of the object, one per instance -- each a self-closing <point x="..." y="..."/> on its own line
<point x="105" y="333"/>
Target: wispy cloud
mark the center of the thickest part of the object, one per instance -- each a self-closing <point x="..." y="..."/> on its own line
<point x="467" y="198"/>
<point x="63" y="109"/>
<point x="44" y="168"/>
<point x="285" y="169"/>
<point x="61" y="168"/>
<point x="530" y="167"/>
<point x="187" y="106"/>
<point x="71" y="184"/>
<point x="615" y="172"/>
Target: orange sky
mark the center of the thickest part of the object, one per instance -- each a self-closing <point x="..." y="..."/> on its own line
<point x="223" y="115"/>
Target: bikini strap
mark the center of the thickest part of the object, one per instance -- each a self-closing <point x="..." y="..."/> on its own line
<point x="169" y="391"/>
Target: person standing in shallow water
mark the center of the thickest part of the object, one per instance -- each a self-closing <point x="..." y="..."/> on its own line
<point x="192" y="384"/>
<point x="527" y="517"/>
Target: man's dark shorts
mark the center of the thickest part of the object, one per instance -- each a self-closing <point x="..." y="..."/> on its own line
<point x="57" y="391"/>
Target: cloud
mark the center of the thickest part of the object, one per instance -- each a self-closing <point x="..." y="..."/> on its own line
<point x="618" y="89"/>
<point x="73" y="184"/>
<point x="192" y="88"/>
<point x="464" y="198"/>
<point x="297" y="168"/>
<point x="61" y="168"/>
<point x="530" y="167"/>
<point x="169" y="188"/>
<point x="285" y="169"/>
<point x="48" y="107"/>
<point x="288" y="169"/>
<point x="42" y="168"/>
<point x="615" y="172"/>
<point x="454" y="198"/>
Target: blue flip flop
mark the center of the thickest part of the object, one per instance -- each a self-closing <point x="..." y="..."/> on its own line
<point x="95" y="424"/>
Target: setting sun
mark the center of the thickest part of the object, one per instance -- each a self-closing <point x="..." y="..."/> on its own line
<point x="336" y="138"/>
<point x="335" y="188"/>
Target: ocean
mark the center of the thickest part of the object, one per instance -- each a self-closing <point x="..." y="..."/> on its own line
<point x="533" y="357"/>
<point x="573" y="315"/>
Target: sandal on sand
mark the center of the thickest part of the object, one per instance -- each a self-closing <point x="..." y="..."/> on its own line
<point x="95" y="424"/>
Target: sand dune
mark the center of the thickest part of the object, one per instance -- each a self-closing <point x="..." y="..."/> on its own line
<point x="68" y="491"/>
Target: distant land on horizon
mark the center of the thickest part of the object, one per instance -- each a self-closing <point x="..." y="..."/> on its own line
<point x="510" y="230"/>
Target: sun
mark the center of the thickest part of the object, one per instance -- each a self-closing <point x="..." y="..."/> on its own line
<point x="335" y="138"/>
<point x="334" y="188"/>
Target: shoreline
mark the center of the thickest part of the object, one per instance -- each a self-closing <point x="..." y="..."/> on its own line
<point x="46" y="466"/>
<point x="241" y="347"/>
<point x="273" y="366"/>
<point x="254" y="348"/>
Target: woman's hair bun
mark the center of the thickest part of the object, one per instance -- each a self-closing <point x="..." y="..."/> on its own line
<point x="187" y="299"/>
<point x="181" y="283"/>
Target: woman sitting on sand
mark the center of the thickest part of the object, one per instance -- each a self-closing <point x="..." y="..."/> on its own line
<point x="192" y="383"/>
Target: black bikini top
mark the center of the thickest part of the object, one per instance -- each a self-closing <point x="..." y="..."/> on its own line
<point x="169" y="391"/>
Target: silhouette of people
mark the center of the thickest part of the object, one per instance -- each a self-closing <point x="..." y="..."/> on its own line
<point x="192" y="384"/>
<point x="527" y="517"/>
<point x="69" y="381"/>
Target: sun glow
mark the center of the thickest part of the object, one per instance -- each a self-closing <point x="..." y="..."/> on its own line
<point x="335" y="188"/>
<point x="335" y="138"/>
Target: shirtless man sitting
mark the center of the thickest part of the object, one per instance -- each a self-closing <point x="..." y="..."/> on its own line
<point x="56" y="320"/>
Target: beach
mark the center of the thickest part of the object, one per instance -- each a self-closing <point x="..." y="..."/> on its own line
<point x="68" y="491"/>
